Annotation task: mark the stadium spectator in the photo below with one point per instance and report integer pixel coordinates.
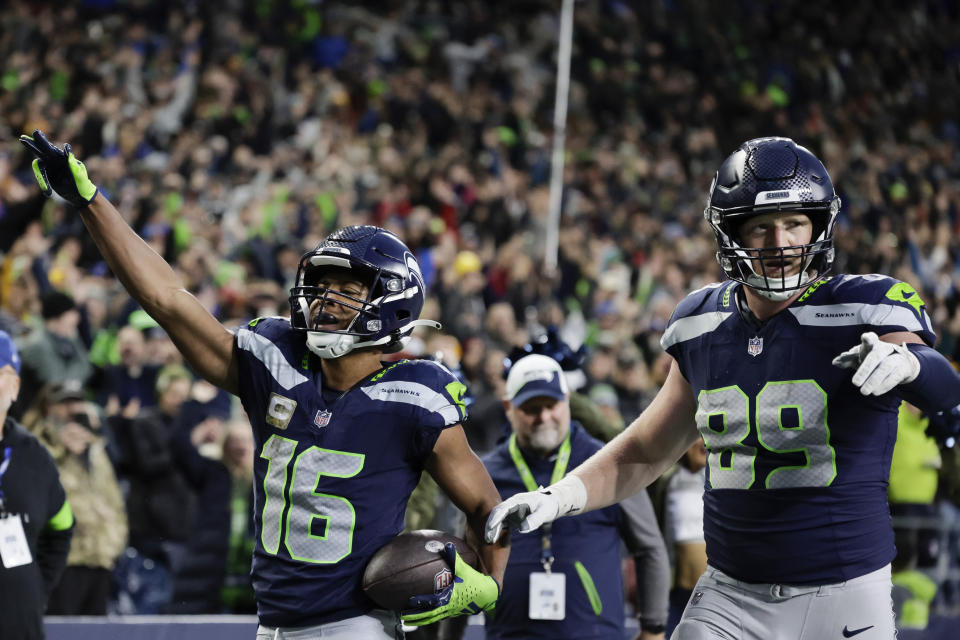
(129, 385)
(237, 456)
(69, 426)
(54, 352)
(545, 442)
(37, 523)
(161, 505)
(198, 561)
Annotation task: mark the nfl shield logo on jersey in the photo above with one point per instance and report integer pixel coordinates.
(754, 346)
(322, 418)
(442, 580)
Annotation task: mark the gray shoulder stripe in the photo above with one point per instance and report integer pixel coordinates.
(837, 315)
(691, 327)
(271, 357)
(416, 394)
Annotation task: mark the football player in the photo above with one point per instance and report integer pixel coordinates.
(792, 378)
(341, 438)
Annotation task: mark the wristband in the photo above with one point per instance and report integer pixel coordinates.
(571, 494)
(937, 386)
(652, 627)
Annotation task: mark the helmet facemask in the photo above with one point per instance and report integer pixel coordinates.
(310, 303)
(770, 175)
(382, 318)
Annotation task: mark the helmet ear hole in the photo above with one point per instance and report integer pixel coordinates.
(402, 315)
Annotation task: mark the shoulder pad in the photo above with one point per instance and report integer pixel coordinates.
(701, 311)
(885, 303)
(444, 393)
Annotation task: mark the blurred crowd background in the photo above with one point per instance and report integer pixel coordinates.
(233, 136)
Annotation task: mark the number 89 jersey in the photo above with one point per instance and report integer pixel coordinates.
(798, 459)
(332, 471)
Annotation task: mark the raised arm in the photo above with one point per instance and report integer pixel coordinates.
(625, 465)
(205, 343)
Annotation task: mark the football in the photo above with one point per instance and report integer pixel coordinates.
(411, 565)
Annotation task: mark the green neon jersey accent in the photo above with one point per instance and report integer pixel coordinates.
(903, 292)
(383, 371)
(813, 287)
(62, 520)
(726, 294)
(457, 390)
(589, 587)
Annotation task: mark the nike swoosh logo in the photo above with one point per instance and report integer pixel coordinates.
(849, 634)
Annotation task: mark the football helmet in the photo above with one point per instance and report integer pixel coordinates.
(762, 176)
(395, 292)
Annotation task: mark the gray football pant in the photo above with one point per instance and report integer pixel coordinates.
(723, 607)
(376, 625)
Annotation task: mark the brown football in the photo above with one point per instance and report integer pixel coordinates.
(411, 565)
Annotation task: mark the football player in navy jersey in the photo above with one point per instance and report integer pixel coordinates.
(341, 438)
(792, 378)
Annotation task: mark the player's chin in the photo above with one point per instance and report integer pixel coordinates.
(781, 270)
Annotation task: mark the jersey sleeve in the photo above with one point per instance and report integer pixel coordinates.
(441, 406)
(887, 305)
(698, 314)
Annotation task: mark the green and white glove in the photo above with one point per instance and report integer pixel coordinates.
(58, 170)
(470, 592)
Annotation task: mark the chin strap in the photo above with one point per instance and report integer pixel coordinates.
(335, 345)
(760, 286)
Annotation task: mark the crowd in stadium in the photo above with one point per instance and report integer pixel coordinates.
(234, 139)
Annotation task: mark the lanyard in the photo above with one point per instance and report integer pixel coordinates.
(3, 469)
(559, 470)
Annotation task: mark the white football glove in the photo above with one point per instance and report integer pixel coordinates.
(533, 509)
(880, 366)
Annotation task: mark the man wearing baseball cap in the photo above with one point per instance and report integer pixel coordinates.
(36, 523)
(566, 582)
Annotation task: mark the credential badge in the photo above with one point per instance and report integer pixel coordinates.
(755, 346)
(322, 418)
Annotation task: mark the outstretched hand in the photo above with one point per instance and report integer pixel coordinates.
(880, 366)
(58, 170)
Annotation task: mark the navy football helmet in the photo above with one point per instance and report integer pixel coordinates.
(393, 303)
(765, 175)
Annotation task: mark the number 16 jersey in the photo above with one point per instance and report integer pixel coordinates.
(798, 459)
(332, 470)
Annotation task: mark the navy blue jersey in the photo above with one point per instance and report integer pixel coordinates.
(590, 540)
(331, 476)
(798, 459)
